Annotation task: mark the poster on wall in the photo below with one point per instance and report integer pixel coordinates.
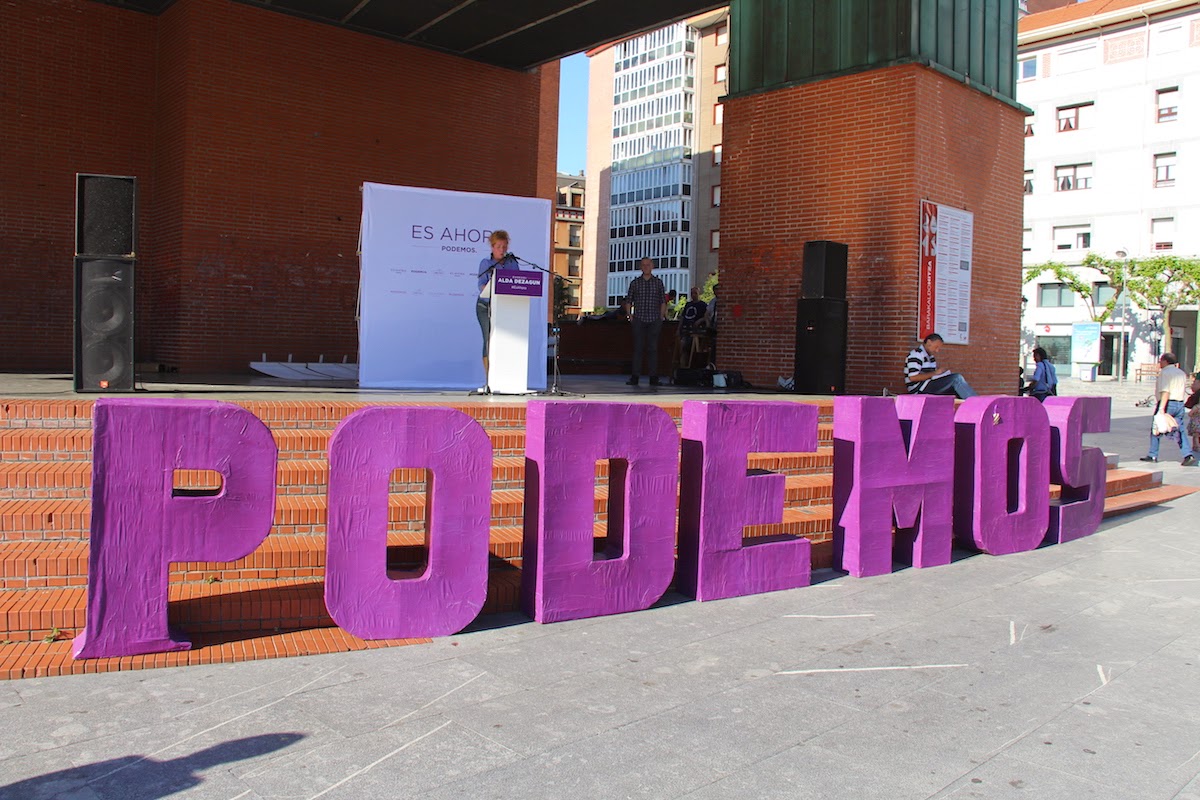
(947, 235)
(421, 250)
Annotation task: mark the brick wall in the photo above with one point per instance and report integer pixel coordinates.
(250, 132)
(77, 95)
(849, 159)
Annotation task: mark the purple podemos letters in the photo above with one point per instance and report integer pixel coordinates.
(561, 577)
(139, 524)
(895, 462)
(718, 498)
(892, 457)
(366, 447)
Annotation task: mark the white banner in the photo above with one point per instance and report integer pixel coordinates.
(421, 250)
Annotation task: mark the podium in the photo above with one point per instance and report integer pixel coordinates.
(512, 290)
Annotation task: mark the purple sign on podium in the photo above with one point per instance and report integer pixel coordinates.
(518, 282)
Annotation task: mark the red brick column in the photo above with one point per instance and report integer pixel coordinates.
(849, 159)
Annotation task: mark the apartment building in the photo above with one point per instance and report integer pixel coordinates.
(654, 124)
(1112, 165)
(568, 241)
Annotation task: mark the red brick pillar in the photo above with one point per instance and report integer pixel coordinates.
(849, 159)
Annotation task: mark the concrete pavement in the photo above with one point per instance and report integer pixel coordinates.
(1067, 672)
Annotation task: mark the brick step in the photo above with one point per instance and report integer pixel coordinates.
(52, 480)
(221, 606)
(38, 659)
(35, 563)
(17, 413)
(1145, 498)
(75, 444)
(20, 413)
(298, 514)
(288, 603)
(41, 564)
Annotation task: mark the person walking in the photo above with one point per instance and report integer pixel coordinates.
(1170, 391)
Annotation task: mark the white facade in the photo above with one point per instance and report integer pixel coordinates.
(1112, 161)
(653, 126)
(650, 202)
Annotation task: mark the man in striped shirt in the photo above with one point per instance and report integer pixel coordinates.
(921, 372)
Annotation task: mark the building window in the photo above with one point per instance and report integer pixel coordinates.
(1162, 233)
(1102, 292)
(1072, 118)
(1058, 348)
(721, 73)
(1072, 237)
(718, 113)
(1072, 177)
(723, 34)
(1028, 181)
(716, 196)
(1027, 240)
(1027, 68)
(1164, 170)
(1167, 103)
(575, 236)
(573, 265)
(716, 153)
(1055, 295)
(714, 240)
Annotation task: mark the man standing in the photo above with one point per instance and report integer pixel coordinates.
(1170, 391)
(921, 372)
(646, 305)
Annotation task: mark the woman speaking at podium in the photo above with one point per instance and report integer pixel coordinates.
(483, 306)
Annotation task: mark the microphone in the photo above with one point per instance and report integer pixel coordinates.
(510, 257)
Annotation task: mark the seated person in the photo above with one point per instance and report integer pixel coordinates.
(689, 323)
(921, 372)
(1044, 382)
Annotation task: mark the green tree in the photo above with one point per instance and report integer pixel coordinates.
(561, 298)
(1110, 268)
(1165, 282)
(706, 294)
(1161, 281)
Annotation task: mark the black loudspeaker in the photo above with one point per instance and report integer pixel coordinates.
(105, 216)
(105, 248)
(103, 325)
(820, 346)
(824, 270)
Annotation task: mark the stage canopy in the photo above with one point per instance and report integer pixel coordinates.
(517, 34)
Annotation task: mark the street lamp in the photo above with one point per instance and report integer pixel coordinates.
(1121, 254)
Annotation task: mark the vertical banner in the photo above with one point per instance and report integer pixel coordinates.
(946, 238)
(421, 250)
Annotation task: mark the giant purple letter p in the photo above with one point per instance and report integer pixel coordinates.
(139, 525)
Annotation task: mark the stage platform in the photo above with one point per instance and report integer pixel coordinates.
(270, 604)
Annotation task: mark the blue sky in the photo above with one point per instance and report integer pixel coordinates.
(572, 114)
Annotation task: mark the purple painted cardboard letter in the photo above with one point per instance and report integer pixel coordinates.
(892, 457)
(718, 498)
(1079, 470)
(138, 524)
(562, 578)
(1001, 474)
(365, 448)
